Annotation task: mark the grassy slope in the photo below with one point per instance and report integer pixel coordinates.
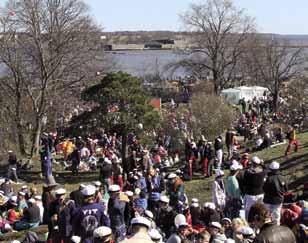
(295, 168)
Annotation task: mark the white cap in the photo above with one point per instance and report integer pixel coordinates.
(209, 205)
(234, 167)
(155, 235)
(129, 193)
(247, 231)
(102, 232)
(171, 176)
(38, 197)
(15, 241)
(229, 241)
(215, 225)
(194, 200)
(234, 162)
(76, 239)
(107, 161)
(60, 191)
(164, 199)
(274, 165)
(114, 188)
(13, 169)
(219, 173)
(180, 220)
(97, 183)
(22, 193)
(141, 221)
(13, 199)
(256, 160)
(149, 214)
(195, 205)
(89, 190)
(31, 200)
(82, 186)
(219, 140)
(10, 151)
(137, 191)
(24, 187)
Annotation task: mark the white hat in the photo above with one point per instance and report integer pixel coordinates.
(164, 199)
(7, 227)
(13, 199)
(195, 205)
(31, 200)
(255, 160)
(274, 165)
(21, 193)
(171, 176)
(97, 183)
(194, 200)
(219, 140)
(219, 173)
(247, 231)
(81, 186)
(155, 235)
(38, 197)
(137, 191)
(60, 191)
(89, 190)
(10, 151)
(141, 221)
(234, 167)
(24, 187)
(209, 205)
(114, 188)
(76, 239)
(129, 193)
(107, 161)
(229, 241)
(180, 220)
(102, 232)
(13, 169)
(215, 225)
(15, 241)
(149, 214)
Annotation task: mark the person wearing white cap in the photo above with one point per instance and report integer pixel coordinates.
(156, 187)
(89, 216)
(218, 191)
(164, 215)
(209, 214)
(116, 209)
(102, 234)
(175, 190)
(140, 231)
(77, 195)
(233, 192)
(149, 215)
(38, 201)
(274, 188)
(105, 173)
(182, 230)
(215, 230)
(155, 236)
(253, 181)
(22, 203)
(248, 234)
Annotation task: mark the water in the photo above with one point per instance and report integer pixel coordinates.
(142, 62)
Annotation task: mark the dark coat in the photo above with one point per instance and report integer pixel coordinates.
(271, 233)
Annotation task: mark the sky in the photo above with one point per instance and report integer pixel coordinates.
(272, 16)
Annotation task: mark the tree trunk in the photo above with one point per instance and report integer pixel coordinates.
(36, 138)
(275, 101)
(124, 145)
(21, 140)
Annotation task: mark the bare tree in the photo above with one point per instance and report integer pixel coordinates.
(273, 63)
(56, 43)
(219, 34)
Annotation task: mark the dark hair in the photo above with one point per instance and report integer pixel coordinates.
(258, 212)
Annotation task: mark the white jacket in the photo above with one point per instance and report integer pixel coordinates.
(218, 195)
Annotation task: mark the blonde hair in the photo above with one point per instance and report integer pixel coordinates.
(238, 223)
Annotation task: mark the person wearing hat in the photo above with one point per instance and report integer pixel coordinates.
(102, 234)
(215, 230)
(54, 212)
(218, 146)
(48, 196)
(209, 214)
(12, 213)
(38, 201)
(182, 230)
(140, 228)
(76, 158)
(165, 215)
(195, 212)
(175, 191)
(274, 188)
(253, 182)
(229, 140)
(89, 216)
(156, 185)
(245, 160)
(218, 191)
(116, 212)
(105, 173)
(155, 236)
(260, 217)
(12, 170)
(6, 187)
(248, 234)
(149, 215)
(227, 227)
(22, 203)
(233, 192)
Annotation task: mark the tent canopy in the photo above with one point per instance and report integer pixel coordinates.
(233, 95)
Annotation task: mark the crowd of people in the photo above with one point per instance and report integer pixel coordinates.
(143, 199)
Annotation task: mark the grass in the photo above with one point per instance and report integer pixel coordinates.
(294, 168)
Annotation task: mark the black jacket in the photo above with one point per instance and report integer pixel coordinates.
(271, 233)
(253, 181)
(274, 188)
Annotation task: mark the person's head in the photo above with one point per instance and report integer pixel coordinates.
(274, 166)
(140, 225)
(171, 178)
(31, 202)
(114, 191)
(214, 228)
(97, 185)
(238, 223)
(247, 232)
(219, 174)
(155, 236)
(21, 196)
(181, 224)
(88, 194)
(102, 234)
(163, 201)
(226, 223)
(33, 190)
(203, 237)
(60, 194)
(259, 215)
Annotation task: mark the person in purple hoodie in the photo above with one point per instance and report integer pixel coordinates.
(89, 216)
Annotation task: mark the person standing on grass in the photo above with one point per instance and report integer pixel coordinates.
(12, 170)
(291, 136)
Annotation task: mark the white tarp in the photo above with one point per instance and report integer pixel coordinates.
(233, 95)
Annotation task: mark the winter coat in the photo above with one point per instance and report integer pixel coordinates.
(274, 188)
(271, 233)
